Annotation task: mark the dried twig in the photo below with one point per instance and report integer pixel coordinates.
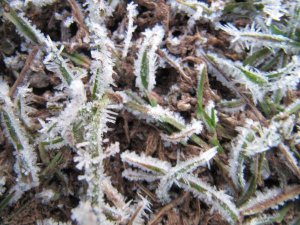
(79, 18)
(157, 217)
(24, 71)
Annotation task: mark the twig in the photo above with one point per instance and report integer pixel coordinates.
(173, 64)
(78, 17)
(166, 208)
(24, 71)
(147, 192)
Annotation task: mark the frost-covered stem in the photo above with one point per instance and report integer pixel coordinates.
(270, 199)
(252, 139)
(291, 109)
(132, 12)
(96, 134)
(103, 62)
(231, 105)
(90, 158)
(215, 68)
(40, 3)
(22, 106)
(56, 132)
(78, 58)
(113, 195)
(55, 143)
(236, 161)
(230, 73)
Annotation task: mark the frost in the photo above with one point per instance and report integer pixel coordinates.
(140, 211)
(251, 36)
(270, 199)
(45, 196)
(26, 159)
(62, 124)
(132, 12)
(105, 89)
(84, 214)
(145, 64)
(194, 128)
(56, 63)
(2, 183)
(152, 164)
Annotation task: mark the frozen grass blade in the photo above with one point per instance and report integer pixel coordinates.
(256, 56)
(159, 114)
(5, 201)
(253, 76)
(250, 188)
(269, 218)
(145, 64)
(180, 175)
(25, 166)
(252, 35)
(56, 63)
(291, 161)
(270, 199)
(131, 13)
(200, 89)
(145, 70)
(146, 163)
(219, 200)
(22, 24)
(191, 164)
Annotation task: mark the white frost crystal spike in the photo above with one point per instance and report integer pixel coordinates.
(142, 206)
